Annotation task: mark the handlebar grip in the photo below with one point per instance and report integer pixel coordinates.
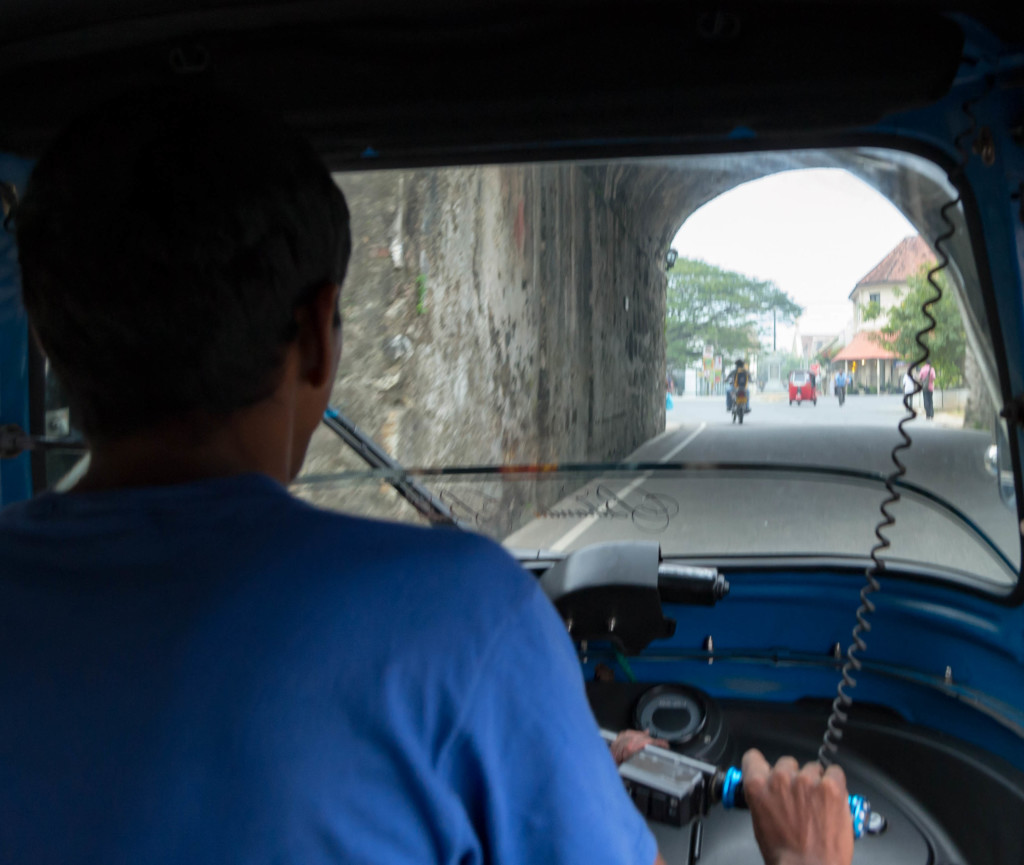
(679, 584)
(733, 797)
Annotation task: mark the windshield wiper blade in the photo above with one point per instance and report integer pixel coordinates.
(417, 495)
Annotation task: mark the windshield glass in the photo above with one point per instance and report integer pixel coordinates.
(554, 353)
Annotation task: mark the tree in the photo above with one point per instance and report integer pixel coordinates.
(825, 356)
(711, 306)
(947, 343)
(789, 362)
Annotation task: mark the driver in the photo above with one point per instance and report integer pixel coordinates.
(199, 667)
(737, 380)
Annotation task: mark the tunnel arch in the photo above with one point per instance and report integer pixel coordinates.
(665, 192)
(540, 289)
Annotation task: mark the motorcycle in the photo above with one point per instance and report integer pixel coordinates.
(740, 404)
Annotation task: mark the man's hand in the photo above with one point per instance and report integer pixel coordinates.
(630, 742)
(801, 816)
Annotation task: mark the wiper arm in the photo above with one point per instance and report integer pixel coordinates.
(417, 495)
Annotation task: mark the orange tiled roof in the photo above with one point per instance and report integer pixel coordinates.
(864, 347)
(900, 264)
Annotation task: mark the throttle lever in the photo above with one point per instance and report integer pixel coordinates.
(672, 788)
(727, 788)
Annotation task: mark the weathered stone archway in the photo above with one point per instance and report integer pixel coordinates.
(516, 313)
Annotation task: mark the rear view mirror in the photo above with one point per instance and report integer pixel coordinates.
(999, 464)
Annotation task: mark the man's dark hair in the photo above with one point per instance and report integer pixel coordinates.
(166, 241)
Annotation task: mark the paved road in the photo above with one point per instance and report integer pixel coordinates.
(704, 510)
(774, 410)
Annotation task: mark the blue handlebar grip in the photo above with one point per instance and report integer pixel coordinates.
(860, 811)
(732, 797)
(732, 784)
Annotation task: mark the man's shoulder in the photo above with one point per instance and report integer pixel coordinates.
(335, 527)
(426, 587)
(444, 557)
(252, 528)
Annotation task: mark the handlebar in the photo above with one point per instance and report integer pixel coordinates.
(727, 787)
(683, 584)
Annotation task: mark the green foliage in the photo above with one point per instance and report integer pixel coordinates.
(871, 310)
(947, 343)
(711, 306)
(789, 362)
(824, 357)
(421, 294)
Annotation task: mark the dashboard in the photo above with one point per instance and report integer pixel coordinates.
(946, 799)
(939, 802)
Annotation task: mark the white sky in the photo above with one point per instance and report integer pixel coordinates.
(813, 232)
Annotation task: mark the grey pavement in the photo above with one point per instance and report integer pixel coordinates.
(773, 409)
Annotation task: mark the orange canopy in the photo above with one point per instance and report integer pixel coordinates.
(865, 346)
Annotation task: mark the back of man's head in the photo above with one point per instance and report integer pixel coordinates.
(166, 241)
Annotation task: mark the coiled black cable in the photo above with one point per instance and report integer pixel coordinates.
(842, 702)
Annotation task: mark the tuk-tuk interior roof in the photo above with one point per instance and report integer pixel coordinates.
(434, 78)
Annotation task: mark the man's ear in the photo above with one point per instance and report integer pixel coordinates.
(319, 337)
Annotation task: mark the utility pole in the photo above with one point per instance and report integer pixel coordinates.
(775, 343)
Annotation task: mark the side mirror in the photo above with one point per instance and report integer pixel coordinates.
(992, 460)
(999, 464)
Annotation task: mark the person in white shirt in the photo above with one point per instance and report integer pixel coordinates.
(909, 385)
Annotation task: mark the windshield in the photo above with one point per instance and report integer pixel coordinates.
(552, 352)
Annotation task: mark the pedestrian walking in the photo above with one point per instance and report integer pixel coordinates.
(926, 375)
(841, 380)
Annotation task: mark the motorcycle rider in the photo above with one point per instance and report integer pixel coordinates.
(738, 380)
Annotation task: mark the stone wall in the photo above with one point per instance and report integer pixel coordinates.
(500, 314)
(515, 314)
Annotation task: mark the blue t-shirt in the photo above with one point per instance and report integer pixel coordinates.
(218, 672)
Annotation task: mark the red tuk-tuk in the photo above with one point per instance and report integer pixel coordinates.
(802, 387)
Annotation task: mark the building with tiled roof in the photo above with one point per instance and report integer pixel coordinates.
(866, 345)
(869, 362)
(865, 357)
(884, 281)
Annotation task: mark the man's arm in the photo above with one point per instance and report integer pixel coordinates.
(529, 761)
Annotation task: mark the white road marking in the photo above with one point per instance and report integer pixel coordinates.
(584, 524)
(684, 443)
